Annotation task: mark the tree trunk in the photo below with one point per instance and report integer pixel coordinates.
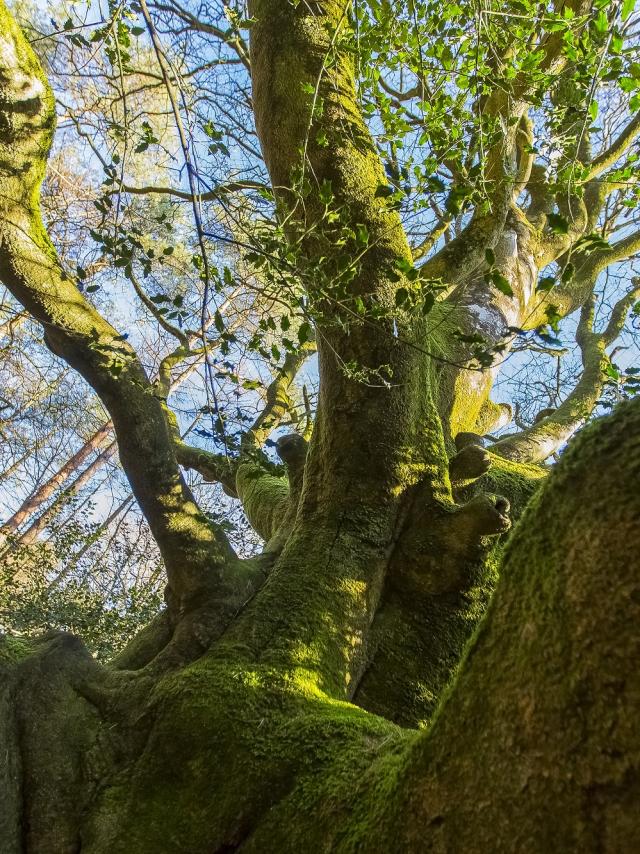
(535, 747)
(44, 492)
(276, 705)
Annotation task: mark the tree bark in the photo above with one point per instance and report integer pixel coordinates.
(277, 704)
(534, 748)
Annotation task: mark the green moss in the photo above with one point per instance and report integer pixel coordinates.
(516, 481)
(235, 750)
(14, 649)
(264, 498)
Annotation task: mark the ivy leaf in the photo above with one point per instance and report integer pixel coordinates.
(383, 191)
(402, 295)
(304, 332)
(501, 283)
(326, 193)
(429, 302)
(567, 273)
(557, 223)
(362, 234)
(546, 284)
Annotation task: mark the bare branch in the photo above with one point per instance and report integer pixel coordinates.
(618, 147)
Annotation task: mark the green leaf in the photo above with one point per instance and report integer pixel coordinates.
(490, 256)
(501, 283)
(402, 295)
(557, 223)
(362, 234)
(546, 283)
(601, 23)
(429, 302)
(304, 332)
(326, 193)
(567, 273)
(383, 191)
(611, 371)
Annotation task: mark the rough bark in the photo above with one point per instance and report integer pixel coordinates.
(276, 704)
(535, 747)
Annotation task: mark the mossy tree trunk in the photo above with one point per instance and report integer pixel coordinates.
(275, 704)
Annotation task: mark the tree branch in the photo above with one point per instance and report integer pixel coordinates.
(611, 155)
(536, 443)
(208, 196)
(194, 551)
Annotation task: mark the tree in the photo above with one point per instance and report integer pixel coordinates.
(276, 703)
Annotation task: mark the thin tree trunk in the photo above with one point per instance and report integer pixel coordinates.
(47, 489)
(32, 532)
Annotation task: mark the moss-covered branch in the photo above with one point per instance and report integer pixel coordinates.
(193, 550)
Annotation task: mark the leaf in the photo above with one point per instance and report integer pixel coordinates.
(601, 23)
(557, 223)
(553, 317)
(551, 340)
(429, 302)
(362, 234)
(383, 191)
(501, 283)
(326, 193)
(567, 273)
(304, 332)
(490, 256)
(546, 283)
(402, 295)
(627, 8)
(611, 371)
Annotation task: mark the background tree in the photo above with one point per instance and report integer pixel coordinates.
(387, 200)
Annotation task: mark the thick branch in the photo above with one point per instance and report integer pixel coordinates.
(193, 551)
